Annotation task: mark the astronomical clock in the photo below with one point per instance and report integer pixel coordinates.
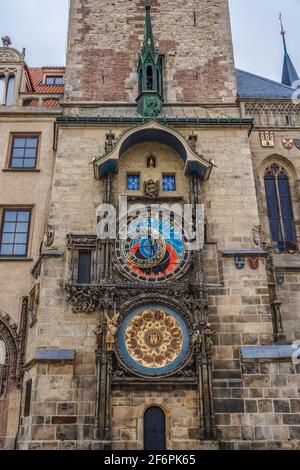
(153, 338)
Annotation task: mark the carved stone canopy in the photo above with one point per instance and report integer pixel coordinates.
(154, 132)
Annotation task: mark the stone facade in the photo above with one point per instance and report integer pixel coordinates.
(236, 299)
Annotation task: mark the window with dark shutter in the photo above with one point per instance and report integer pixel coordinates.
(84, 266)
(27, 404)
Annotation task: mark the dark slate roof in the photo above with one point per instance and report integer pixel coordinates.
(289, 74)
(254, 86)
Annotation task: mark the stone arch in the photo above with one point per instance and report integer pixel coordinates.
(275, 158)
(9, 337)
(149, 403)
(294, 184)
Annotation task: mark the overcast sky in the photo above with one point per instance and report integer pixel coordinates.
(41, 27)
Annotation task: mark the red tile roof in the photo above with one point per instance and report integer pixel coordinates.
(36, 78)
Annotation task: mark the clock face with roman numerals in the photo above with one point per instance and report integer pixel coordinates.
(152, 248)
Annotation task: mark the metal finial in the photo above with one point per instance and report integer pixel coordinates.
(283, 33)
(6, 41)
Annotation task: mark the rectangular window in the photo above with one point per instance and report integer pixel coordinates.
(27, 403)
(84, 266)
(54, 80)
(169, 183)
(15, 232)
(24, 152)
(133, 183)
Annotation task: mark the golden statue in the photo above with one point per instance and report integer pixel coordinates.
(111, 331)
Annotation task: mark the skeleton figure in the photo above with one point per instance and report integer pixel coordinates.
(111, 331)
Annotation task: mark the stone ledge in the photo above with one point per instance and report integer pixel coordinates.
(54, 355)
(245, 253)
(49, 355)
(281, 352)
(287, 262)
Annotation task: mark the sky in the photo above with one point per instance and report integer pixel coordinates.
(41, 27)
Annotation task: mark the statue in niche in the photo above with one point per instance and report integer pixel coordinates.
(151, 162)
(151, 189)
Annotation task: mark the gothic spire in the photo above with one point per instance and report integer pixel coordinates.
(148, 46)
(289, 73)
(150, 73)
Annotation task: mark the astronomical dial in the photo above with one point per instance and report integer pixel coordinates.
(151, 248)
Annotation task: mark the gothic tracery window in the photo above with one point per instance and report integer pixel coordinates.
(279, 204)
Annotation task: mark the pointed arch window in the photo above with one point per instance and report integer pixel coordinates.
(279, 204)
(7, 88)
(10, 90)
(149, 78)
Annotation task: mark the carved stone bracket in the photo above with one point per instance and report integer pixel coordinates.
(84, 299)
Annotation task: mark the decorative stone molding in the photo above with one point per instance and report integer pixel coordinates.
(274, 114)
(9, 335)
(10, 56)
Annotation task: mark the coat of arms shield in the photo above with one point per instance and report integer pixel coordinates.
(297, 143)
(239, 262)
(254, 262)
(288, 143)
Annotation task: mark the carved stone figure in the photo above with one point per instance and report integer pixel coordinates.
(256, 233)
(49, 236)
(151, 189)
(110, 141)
(99, 336)
(208, 336)
(111, 331)
(151, 162)
(193, 138)
(6, 41)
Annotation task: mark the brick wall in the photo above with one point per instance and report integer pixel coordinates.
(104, 44)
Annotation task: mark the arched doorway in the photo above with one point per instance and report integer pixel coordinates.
(154, 429)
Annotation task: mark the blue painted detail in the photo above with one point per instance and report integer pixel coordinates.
(108, 165)
(276, 351)
(239, 262)
(155, 370)
(133, 182)
(169, 183)
(196, 167)
(55, 354)
(148, 248)
(254, 86)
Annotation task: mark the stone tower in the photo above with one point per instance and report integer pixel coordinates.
(151, 340)
(194, 40)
